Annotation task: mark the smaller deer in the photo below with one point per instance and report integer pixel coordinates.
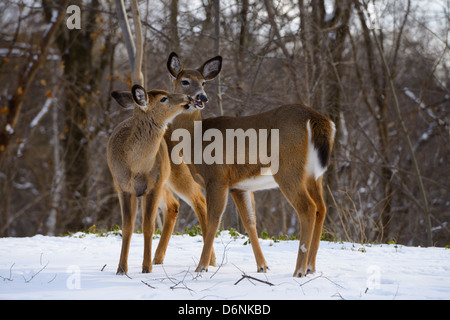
(131, 152)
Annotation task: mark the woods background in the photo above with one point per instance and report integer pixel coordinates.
(389, 176)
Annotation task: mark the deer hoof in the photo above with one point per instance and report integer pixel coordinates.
(146, 269)
(263, 269)
(121, 271)
(201, 269)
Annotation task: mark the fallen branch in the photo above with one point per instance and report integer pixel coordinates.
(148, 285)
(319, 276)
(34, 275)
(245, 276)
(175, 284)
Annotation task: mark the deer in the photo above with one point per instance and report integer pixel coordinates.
(179, 181)
(305, 144)
(132, 150)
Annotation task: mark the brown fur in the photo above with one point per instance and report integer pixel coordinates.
(299, 187)
(139, 163)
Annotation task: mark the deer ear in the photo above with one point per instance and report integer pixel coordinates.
(174, 65)
(140, 96)
(123, 98)
(211, 68)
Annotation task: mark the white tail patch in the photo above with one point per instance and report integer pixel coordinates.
(313, 166)
(333, 130)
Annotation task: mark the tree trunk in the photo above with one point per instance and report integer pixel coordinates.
(82, 77)
(216, 5)
(174, 38)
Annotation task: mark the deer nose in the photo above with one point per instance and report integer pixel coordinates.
(201, 97)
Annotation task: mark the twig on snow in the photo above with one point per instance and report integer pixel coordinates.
(10, 274)
(175, 284)
(249, 278)
(34, 275)
(319, 276)
(148, 285)
(223, 258)
(245, 276)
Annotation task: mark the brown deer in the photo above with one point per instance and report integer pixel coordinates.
(180, 181)
(304, 146)
(132, 150)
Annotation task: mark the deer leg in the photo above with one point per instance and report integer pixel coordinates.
(128, 208)
(189, 190)
(216, 199)
(298, 196)
(306, 211)
(316, 192)
(169, 208)
(150, 204)
(245, 203)
(199, 207)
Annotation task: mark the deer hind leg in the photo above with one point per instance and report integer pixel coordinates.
(169, 206)
(128, 208)
(199, 206)
(298, 196)
(150, 204)
(190, 191)
(315, 190)
(245, 203)
(216, 199)
(306, 211)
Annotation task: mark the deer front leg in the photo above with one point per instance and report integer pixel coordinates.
(169, 208)
(184, 185)
(128, 208)
(216, 199)
(149, 209)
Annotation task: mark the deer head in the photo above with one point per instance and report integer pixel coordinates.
(192, 81)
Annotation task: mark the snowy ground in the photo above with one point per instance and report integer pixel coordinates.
(44, 267)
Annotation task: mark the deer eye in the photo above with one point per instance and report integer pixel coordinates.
(185, 83)
(164, 99)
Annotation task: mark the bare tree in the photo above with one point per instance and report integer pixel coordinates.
(388, 171)
(34, 61)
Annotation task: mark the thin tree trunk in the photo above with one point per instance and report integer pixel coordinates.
(216, 5)
(174, 38)
(427, 214)
(58, 175)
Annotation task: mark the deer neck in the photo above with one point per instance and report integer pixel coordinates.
(186, 120)
(145, 134)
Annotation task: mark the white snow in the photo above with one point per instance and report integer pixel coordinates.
(43, 267)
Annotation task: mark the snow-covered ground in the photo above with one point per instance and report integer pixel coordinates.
(43, 267)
